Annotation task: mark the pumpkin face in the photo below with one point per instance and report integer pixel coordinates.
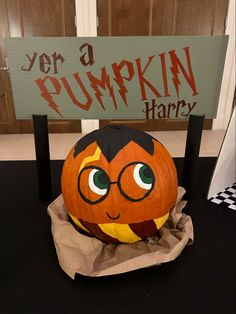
(123, 196)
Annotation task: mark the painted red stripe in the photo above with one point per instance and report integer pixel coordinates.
(144, 229)
(80, 230)
(97, 231)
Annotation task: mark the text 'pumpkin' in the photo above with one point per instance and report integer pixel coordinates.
(119, 184)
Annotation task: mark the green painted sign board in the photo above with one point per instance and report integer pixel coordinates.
(149, 77)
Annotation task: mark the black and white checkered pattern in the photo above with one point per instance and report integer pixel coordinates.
(226, 198)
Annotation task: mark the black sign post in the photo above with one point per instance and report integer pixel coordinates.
(191, 157)
(40, 123)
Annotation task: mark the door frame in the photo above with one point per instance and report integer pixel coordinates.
(86, 25)
(86, 21)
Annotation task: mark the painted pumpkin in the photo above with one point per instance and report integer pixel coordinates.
(119, 184)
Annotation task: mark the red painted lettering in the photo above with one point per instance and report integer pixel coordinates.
(164, 74)
(31, 60)
(46, 94)
(119, 78)
(104, 83)
(55, 58)
(176, 64)
(143, 81)
(89, 100)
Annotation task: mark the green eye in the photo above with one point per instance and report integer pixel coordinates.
(143, 176)
(98, 181)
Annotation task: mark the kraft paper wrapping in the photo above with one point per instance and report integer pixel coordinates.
(78, 253)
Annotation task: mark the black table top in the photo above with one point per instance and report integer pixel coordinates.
(200, 280)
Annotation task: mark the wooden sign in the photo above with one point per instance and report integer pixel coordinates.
(116, 77)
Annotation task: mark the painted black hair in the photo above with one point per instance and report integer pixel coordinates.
(111, 139)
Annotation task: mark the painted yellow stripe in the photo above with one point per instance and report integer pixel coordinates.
(161, 220)
(122, 232)
(78, 223)
(86, 160)
(95, 156)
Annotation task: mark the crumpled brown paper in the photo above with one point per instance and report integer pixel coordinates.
(78, 253)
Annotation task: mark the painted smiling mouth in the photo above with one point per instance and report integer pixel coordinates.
(114, 218)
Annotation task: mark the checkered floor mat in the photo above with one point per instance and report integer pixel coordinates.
(226, 198)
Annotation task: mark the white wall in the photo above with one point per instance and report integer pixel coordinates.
(228, 81)
(225, 171)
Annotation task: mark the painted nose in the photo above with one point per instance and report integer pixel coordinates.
(113, 213)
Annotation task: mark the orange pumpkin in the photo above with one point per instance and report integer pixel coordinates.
(119, 184)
